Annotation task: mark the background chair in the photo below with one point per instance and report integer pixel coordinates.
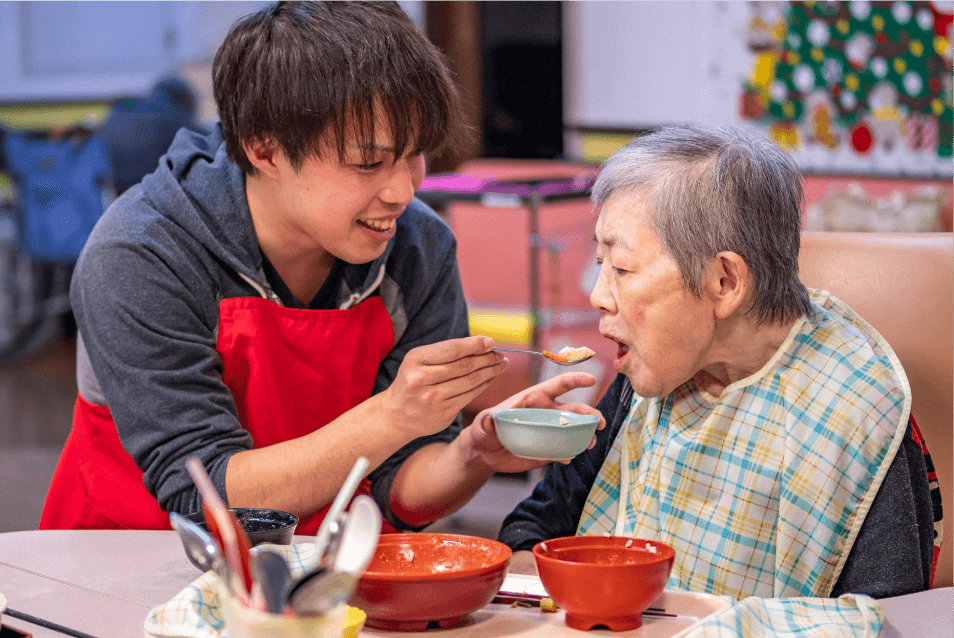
(903, 285)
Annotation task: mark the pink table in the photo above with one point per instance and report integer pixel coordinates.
(104, 583)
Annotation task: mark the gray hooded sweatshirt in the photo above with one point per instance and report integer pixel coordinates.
(146, 293)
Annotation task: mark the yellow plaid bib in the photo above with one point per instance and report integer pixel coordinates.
(762, 491)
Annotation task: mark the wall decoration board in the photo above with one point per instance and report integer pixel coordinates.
(853, 88)
(858, 86)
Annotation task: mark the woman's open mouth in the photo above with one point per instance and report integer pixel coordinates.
(621, 351)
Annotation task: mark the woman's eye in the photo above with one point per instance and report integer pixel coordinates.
(618, 271)
(371, 166)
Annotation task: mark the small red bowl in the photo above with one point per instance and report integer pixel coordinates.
(603, 580)
(414, 580)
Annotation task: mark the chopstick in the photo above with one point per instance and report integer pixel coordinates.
(533, 600)
(46, 624)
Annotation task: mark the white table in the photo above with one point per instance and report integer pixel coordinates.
(104, 583)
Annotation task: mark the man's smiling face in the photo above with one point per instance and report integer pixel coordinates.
(347, 207)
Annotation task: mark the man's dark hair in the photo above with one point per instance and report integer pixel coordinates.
(295, 72)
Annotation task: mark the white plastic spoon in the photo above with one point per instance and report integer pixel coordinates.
(360, 537)
(337, 506)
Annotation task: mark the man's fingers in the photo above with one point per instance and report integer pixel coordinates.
(565, 382)
(473, 384)
(454, 349)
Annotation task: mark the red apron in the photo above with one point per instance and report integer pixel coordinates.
(290, 372)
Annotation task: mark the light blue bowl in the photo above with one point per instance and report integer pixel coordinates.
(536, 433)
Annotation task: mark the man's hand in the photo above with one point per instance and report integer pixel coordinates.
(436, 381)
(483, 434)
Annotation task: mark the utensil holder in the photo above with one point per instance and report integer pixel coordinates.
(244, 622)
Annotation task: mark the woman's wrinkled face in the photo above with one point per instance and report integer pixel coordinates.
(661, 329)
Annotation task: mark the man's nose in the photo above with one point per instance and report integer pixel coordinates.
(405, 178)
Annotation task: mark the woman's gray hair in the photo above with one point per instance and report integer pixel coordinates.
(715, 190)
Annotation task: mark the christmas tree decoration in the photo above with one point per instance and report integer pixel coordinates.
(872, 77)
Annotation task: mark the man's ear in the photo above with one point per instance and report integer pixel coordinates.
(728, 283)
(262, 156)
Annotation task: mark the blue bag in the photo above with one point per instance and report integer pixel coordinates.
(62, 183)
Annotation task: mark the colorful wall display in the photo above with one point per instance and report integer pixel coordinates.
(862, 86)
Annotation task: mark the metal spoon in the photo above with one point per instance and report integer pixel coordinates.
(321, 589)
(272, 574)
(335, 530)
(555, 358)
(320, 592)
(201, 547)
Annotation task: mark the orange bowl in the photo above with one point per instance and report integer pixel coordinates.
(415, 580)
(603, 580)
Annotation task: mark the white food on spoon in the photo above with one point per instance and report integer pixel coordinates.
(575, 354)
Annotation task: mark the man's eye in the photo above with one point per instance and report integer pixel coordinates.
(371, 166)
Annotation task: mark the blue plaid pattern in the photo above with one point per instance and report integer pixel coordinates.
(762, 490)
(851, 615)
(196, 611)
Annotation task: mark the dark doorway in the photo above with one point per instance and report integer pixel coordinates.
(522, 79)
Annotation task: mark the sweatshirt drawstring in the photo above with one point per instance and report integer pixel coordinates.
(266, 294)
(358, 297)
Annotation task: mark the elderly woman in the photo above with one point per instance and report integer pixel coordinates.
(761, 428)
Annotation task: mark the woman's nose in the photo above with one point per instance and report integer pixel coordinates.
(601, 297)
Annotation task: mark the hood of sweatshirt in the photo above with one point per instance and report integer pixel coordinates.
(197, 188)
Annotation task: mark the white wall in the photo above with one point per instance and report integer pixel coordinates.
(98, 50)
(640, 64)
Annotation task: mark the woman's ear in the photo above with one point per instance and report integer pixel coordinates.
(262, 155)
(728, 283)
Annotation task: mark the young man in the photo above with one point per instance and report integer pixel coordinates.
(760, 428)
(274, 301)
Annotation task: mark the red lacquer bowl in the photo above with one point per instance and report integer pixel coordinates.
(415, 580)
(600, 580)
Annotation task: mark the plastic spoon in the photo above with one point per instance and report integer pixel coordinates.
(225, 528)
(360, 537)
(338, 505)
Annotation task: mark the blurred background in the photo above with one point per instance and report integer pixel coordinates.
(860, 92)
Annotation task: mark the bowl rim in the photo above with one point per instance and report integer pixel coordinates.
(391, 539)
(586, 420)
(668, 551)
(291, 519)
